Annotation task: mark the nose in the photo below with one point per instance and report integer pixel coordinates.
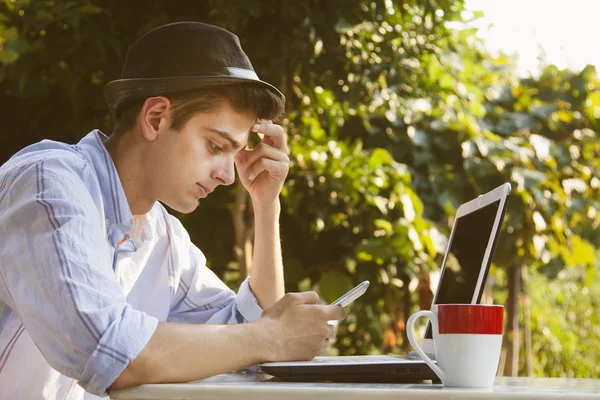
(225, 174)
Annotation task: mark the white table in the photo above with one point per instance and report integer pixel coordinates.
(262, 386)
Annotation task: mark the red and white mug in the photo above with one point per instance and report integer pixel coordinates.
(467, 339)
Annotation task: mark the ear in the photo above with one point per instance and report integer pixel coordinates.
(155, 117)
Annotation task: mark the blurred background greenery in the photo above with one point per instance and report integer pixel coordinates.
(396, 115)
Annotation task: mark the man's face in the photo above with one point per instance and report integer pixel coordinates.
(188, 165)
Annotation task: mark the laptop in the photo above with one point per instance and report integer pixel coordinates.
(463, 275)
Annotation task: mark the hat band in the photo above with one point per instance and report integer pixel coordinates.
(233, 72)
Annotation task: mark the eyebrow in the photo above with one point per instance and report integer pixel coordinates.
(234, 143)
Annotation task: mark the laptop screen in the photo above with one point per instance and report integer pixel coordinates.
(463, 263)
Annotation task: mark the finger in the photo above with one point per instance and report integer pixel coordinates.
(276, 168)
(246, 158)
(269, 140)
(334, 312)
(310, 297)
(332, 331)
(292, 298)
(274, 131)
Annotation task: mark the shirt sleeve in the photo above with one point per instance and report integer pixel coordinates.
(56, 273)
(201, 296)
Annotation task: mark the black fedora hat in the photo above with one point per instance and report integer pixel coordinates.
(181, 57)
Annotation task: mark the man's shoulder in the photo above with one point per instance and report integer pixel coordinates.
(50, 167)
(56, 157)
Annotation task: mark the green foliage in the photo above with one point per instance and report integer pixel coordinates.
(537, 136)
(396, 116)
(566, 343)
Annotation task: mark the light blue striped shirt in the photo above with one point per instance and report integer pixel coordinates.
(75, 305)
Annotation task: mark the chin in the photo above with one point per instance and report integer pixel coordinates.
(189, 209)
(184, 207)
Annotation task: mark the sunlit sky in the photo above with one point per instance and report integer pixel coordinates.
(564, 29)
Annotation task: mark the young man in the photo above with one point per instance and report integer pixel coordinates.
(100, 288)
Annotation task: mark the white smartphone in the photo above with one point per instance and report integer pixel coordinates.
(352, 294)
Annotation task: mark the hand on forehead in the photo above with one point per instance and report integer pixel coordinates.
(274, 135)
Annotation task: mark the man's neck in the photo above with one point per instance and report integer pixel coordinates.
(128, 160)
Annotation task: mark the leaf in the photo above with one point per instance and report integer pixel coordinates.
(294, 270)
(8, 56)
(382, 81)
(590, 277)
(528, 177)
(10, 34)
(419, 137)
(364, 256)
(19, 46)
(446, 81)
(379, 157)
(581, 252)
(522, 120)
(333, 285)
(381, 203)
(544, 111)
(408, 207)
(384, 224)
(343, 27)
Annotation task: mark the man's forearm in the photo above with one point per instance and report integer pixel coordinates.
(266, 277)
(186, 352)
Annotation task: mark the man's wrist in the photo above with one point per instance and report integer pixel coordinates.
(264, 341)
(271, 209)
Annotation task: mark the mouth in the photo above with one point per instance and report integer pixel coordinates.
(203, 191)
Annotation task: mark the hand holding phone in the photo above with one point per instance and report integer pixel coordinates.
(352, 294)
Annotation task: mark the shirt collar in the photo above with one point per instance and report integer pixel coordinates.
(119, 219)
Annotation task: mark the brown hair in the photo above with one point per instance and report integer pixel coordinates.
(244, 97)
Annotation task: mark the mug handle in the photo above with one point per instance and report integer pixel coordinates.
(410, 325)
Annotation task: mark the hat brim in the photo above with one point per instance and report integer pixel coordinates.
(123, 91)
